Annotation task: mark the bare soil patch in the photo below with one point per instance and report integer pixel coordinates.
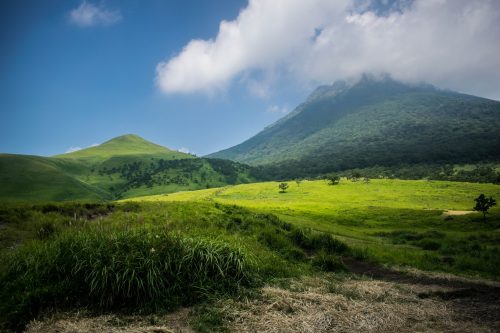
(458, 212)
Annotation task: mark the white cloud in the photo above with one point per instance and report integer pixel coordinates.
(72, 149)
(184, 150)
(451, 43)
(277, 109)
(76, 148)
(87, 15)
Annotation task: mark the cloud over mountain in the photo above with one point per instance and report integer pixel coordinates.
(451, 43)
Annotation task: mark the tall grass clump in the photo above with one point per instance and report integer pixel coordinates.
(317, 241)
(134, 269)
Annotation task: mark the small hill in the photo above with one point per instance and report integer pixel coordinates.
(33, 178)
(122, 167)
(129, 144)
(375, 122)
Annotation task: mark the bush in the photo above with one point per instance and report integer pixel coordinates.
(317, 241)
(273, 239)
(125, 269)
(328, 262)
(327, 243)
(428, 244)
(45, 230)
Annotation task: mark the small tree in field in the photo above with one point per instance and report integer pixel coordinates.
(332, 179)
(283, 187)
(483, 204)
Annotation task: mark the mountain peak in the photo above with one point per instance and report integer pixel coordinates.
(128, 144)
(376, 120)
(381, 85)
(126, 138)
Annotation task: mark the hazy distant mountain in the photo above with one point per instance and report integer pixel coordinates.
(122, 167)
(376, 122)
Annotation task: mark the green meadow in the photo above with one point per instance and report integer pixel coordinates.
(157, 253)
(392, 222)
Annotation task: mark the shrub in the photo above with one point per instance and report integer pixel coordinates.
(428, 244)
(273, 239)
(326, 242)
(328, 262)
(45, 230)
(317, 241)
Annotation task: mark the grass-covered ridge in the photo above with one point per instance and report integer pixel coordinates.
(146, 257)
(396, 222)
(122, 167)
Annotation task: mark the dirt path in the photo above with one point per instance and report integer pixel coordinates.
(458, 212)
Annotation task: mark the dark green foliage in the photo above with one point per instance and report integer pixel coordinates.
(328, 262)
(46, 230)
(283, 187)
(483, 204)
(474, 253)
(375, 123)
(107, 270)
(430, 245)
(316, 241)
(332, 179)
(274, 239)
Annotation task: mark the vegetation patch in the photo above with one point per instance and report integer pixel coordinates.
(126, 269)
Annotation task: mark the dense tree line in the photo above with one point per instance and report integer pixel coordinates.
(200, 171)
(481, 173)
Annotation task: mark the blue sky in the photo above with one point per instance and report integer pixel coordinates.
(205, 75)
(63, 85)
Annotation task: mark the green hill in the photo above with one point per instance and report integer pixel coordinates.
(33, 178)
(122, 167)
(129, 144)
(375, 123)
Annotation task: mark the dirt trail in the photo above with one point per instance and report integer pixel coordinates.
(458, 212)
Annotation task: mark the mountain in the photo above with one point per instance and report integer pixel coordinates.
(125, 145)
(375, 122)
(122, 167)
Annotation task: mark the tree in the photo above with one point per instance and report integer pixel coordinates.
(332, 179)
(298, 181)
(483, 204)
(283, 187)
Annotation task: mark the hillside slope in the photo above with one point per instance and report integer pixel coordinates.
(24, 177)
(122, 167)
(376, 122)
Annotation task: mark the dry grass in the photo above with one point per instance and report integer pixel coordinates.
(83, 322)
(323, 305)
(417, 302)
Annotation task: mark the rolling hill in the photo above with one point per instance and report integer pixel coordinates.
(119, 168)
(125, 145)
(375, 122)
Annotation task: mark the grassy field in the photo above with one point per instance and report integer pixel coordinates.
(209, 248)
(394, 222)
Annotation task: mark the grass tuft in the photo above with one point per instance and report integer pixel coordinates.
(122, 269)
